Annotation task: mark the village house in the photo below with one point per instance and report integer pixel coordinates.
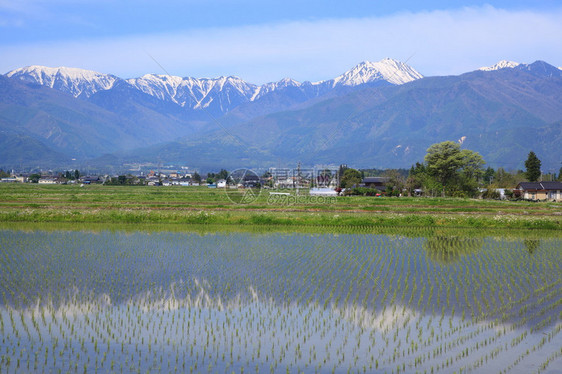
(375, 182)
(540, 191)
(91, 180)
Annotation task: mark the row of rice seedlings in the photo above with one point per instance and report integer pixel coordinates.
(362, 280)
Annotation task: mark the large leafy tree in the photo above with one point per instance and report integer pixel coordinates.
(454, 169)
(533, 167)
(443, 160)
(350, 178)
(471, 165)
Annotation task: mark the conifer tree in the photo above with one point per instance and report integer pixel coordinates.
(533, 167)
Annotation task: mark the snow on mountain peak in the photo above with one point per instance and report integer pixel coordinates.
(390, 70)
(503, 64)
(272, 86)
(191, 92)
(226, 92)
(74, 81)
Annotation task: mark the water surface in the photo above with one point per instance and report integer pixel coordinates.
(219, 301)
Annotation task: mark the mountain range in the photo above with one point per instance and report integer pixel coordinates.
(381, 114)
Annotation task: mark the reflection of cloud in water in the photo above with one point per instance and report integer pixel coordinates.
(368, 319)
(284, 334)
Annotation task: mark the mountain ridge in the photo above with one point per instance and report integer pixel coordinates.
(502, 114)
(366, 123)
(220, 94)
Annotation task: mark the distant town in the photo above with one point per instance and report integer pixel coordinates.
(318, 180)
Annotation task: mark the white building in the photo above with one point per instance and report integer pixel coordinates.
(322, 192)
(47, 181)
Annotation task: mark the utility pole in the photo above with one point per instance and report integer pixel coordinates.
(298, 177)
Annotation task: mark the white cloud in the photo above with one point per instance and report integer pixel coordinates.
(441, 42)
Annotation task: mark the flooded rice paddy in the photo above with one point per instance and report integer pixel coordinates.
(223, 302)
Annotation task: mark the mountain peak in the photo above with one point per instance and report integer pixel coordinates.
(74, 81)
(541, 68)
(387, 69)
(503, 64)
(61, 70)
(288, 81)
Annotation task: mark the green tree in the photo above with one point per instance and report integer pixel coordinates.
(489, 175)
(396, 181)
(196, 177)
(503, 179)
(454, 169)
(223, 174)
(472, 163)
(350, 178)
(341, 170)
(533, 167)
(443, 160)
(415, 177)
(34, 178)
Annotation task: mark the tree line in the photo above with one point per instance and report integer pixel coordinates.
(448, 170)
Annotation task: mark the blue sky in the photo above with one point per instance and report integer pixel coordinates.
(263, 41)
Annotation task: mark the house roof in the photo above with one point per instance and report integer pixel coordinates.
(540, 186)
(375, 180)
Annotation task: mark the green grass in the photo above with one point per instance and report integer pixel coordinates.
(195, 206)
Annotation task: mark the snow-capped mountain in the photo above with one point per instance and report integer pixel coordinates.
(77, 82)
(272, 86)
(219, 94)
(389, 70)
(496, 113)
(539, 68)
(200, 93)
(503, 64)
(195, 93)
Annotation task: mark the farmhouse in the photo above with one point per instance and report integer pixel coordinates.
(90, 180)
(375, 182)
(540, 190)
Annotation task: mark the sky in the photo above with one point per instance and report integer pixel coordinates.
(267, 40)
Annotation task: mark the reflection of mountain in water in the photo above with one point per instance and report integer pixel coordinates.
(482, 277)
